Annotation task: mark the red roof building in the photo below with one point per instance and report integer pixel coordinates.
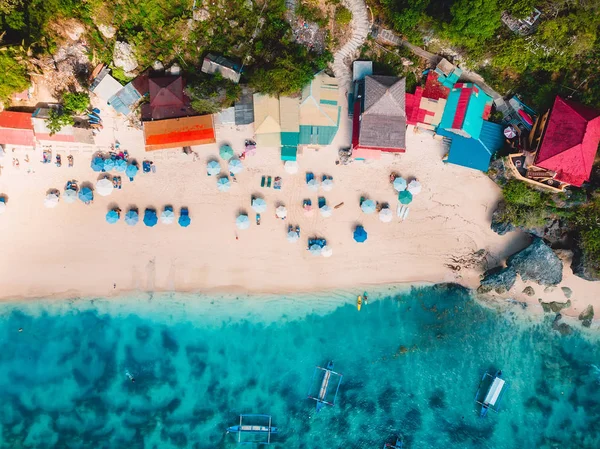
(167, 99)
(569, 142)
(426, 105)
(16, 129)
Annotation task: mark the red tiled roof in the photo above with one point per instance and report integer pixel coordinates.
(461, 107)
(167, 99)
(434, 90)
(570, 142)
(16, 128)
(413, 104)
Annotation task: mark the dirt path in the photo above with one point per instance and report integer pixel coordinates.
(360, 27)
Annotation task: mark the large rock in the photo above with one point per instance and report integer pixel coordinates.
(124, 57)
(500, 280)
(537, 263)
(581, 268)
(562, 328)
(554, 306)
(587, 316)
(498, 225)
(108, 31)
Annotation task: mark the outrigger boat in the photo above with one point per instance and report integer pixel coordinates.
(329, 379)
(494, 390)
(254, 433)
(399, 444)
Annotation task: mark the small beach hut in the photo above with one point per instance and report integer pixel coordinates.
(292, 236)
(150, 218)
(414, 187)
(326, 251)
(291, 167)
(313, 185)
(360, 235)
(281, 212)
(167, 216)
(386, 215)
(184, 217)
(368, 206)
(51, 200)
(131, 171)
(213, 168)
(70, 196)
(120, 165)
(109, 164)
(326, 211)
(327, 185)
(226, 152)
(259, 205)
(132, 217)
(235, 166)
(315, 250)
(399, 184)
(405, 197)
(98, 164)
(86, 195)
(223, 184)
(242, 222)
(104, 187)
(112, 216)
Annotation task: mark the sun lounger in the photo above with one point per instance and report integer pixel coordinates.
(306, 202)
(309, 176)
(262, 181)
(277, 183)
(405, 214)
(322, 202)
(269, 182)
(258, 219)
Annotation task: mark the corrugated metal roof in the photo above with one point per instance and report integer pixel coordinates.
(288, 153)
(266, 114)
(317, 135)
(107, 87)
(179, 132)
(466, 109)
(244, 109)
(124, 100)
(289, 109)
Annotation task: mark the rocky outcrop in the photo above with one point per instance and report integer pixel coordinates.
(562, 328)
(499, 226)
(581, 268)
(554, 307)
(537, 263)
(108, 31)
(124, 57)
(567, 292)
(529, 291)
(587, 316)
(499, 280)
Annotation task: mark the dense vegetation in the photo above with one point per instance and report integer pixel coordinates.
(252, 32)
(561, 56)
(72, 104)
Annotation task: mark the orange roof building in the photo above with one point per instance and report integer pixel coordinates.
(179, 132)
(16, 129)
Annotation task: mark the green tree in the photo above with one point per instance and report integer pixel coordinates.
(405, 15)
(58, 119)
(13, 76)
(75, 103)
(473, 22)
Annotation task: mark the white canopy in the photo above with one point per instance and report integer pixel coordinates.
(326, 251)
(386, 215)
(104, 187)
(281, 212)
(326, 211)
(51, 200)
(414, 187)
(291, 167)
(70, 196)
(327, 185)
(494, 391)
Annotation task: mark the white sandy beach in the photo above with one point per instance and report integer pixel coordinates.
(71, 251)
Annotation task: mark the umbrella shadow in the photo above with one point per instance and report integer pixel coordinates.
(241, 211)
(133, 208)
(4, 198)
(87, 184)
(168, 207)
(53, 190)
(104, 176)
(113, 206)
(100, 154)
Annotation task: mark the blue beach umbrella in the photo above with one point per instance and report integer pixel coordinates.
(121, 165)
(235, 166)
(150, 218)
(360, 235)
(223, 184)
(368, 206)
(98, 164)
(242, 222)
(399, 184)
(112, 216)
(315, 250)
(405, 197)
(226, 152)
(184, 218)
(259, 205)
(213, 168)
(131, 171)
(109, 164)
(168, 216)
(86, 195)
(132, 217)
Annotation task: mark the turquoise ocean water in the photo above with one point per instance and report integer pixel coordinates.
(411, 363)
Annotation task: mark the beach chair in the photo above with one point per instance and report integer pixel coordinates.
(277, 183)
(262, 181)
(146, 166)
(309, 176)
(298, 230)
(258, 219)
(269, 182)
(306, 203)
(322, 202)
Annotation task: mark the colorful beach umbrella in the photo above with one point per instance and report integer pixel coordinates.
(70, 196)
(223, 184)
(184, 218)
(109, 164)
(291, 167)
(112, 216)
(132, 217)
(97, 164)
(167, 216)
(120, 165)
(326, 211)
(414, 187)
(213, 168)
(292, 236)
(51, 200)
(315, 250)
(368, 206)
(360, 235)
(150, 218)
(281, 212)
(399, 184)
(386, 215)
(104, 187)
(259, 205)
(86, 195)
(405, 197)
(327, 185)
(313, 185)
(242, 222)
(326, 251)
(226, 152)
(131, 171)
(235, 166)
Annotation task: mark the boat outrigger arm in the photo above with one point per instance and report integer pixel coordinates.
(266, 430)
(493, 395)
(328, 376)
